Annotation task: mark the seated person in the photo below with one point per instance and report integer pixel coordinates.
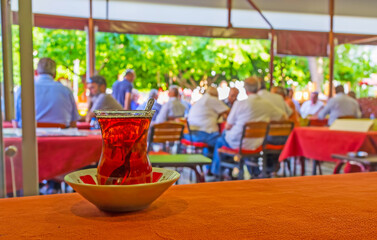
(54, 103)
(312, 106)
(99, 100)
(203, 117)
(172, 109)
(156, 106)
(294, 116)
(254, 108)
(275, 99)
(232, 97)
(295, 102)
(339, 106)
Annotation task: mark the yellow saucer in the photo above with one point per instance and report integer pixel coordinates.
(121, 198)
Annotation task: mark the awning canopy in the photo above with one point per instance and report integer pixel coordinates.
(301, 25)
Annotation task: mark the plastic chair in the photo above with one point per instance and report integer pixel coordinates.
(251, 130)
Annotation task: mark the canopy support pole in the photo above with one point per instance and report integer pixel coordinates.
(6, 31)
(332, 48)
(229, 5)
(272, 34)
(107, 9)
(272, 57)
(29, 140)
(91, 43)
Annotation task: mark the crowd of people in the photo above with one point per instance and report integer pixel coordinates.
(55, 104)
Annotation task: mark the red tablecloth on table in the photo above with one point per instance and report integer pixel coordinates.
(7, 125)
(320, 143)
(56, 156)
(83, 125)
(80, 125)
(320, 207)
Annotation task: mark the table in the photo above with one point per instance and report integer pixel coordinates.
(366, 164)
(320, 143)
(80, 125)
(317, 207)
(56, 156)
(193, 161)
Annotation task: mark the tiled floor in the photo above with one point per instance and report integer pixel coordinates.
(188, 176)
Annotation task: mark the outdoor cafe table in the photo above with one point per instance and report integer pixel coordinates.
(57, 155)
(319, 143)
(317, 207)
(80, 125)
(193, 161)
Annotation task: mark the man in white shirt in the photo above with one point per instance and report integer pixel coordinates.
(275, 99)
(203, 117)
(339, 106)
(312, 106)
(254, 108)
(172, 109)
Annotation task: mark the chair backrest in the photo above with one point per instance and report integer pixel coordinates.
(186, 129)
(347, 117)
(280, 128)
(166, 132)
(51, 125)
(255, 130)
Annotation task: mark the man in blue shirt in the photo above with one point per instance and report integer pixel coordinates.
(54, 103)
(122, 90)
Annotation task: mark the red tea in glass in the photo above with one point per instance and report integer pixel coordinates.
(124, 159)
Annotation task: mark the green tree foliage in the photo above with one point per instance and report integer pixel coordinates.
(185, 61)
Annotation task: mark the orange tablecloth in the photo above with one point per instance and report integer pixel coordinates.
(56, 156)
(319, 207)
(320, 143)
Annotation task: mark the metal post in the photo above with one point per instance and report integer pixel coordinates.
(91, 43)
(272, 57)
(331, 46)
(29, 140)
(107, 9)
(229, 5)
(6, 31)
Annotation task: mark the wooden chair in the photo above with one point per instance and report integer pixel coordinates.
(190, 143)
(165, 133)
(50, 125)
(278, 129)
(250, 130)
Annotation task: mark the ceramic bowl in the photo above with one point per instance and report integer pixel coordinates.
(121, 198)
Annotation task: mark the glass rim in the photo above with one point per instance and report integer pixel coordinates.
(124, 113)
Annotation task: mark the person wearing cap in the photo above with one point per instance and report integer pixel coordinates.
(99, 100)
(156, 106)
(173, 108)
(312, 106)
(254, 109)
(203, 117)
(122, 90)
(54, 103)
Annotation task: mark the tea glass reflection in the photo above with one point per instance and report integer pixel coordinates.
(124, 159)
